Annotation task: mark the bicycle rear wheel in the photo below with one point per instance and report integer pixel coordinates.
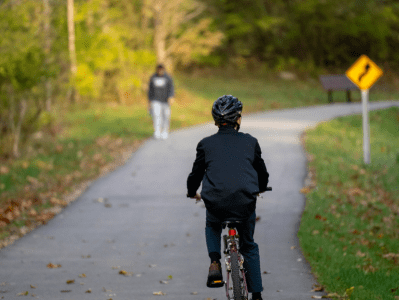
(235, 277)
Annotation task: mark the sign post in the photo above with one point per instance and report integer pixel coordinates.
(366, 127)
(364, 73)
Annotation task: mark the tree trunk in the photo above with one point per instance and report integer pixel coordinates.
(47, 50)
(17, 129)
(144, 17)
(160, 35)
(71, 47)
(90, 19)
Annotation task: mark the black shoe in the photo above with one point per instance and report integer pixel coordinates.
(257, 296)
(215, 277)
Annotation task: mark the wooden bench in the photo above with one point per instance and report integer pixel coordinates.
(337, 83)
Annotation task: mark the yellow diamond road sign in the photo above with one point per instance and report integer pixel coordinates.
(364, 72)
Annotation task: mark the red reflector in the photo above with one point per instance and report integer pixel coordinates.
(232, 232)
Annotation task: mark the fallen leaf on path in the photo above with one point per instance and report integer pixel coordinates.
(66, 291)
(170, 277)
(88, 291)
(163, 282)
(160, 293)
(305, 190)
(293, 247)
(115, 268)
(86, 256)
(125, 273)
(23, 294)
(82, 275)
(70, 281)
(194, 293)
(257, 219)
(53, 266)
(329, 296)
(265, 272)
(32, 286)
(317, 288)
(106, 291)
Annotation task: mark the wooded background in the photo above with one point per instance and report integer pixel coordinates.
(54, 53)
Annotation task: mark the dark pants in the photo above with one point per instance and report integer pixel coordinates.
(248, 248)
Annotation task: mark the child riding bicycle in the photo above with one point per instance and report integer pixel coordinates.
(233, 173)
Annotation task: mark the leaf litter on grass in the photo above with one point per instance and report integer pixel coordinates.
(354, 210)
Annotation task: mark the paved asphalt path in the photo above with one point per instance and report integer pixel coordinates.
(145, 225)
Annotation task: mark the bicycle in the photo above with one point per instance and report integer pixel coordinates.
(234, 263)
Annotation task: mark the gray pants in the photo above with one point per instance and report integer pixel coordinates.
(160, 112)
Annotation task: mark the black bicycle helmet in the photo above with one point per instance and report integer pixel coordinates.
(226, 110)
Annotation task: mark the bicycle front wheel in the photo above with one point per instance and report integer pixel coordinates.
(235, 277)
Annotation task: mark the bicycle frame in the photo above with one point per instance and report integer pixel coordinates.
(231, 251)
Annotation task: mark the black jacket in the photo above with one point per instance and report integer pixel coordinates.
(232, 172)
(160, 88)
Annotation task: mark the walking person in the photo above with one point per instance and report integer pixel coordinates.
(160, 93)
(230, 166)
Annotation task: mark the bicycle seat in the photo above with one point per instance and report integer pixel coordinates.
(230, 224)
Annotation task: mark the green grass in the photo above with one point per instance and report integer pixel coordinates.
(349, 229)
(260, 92)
